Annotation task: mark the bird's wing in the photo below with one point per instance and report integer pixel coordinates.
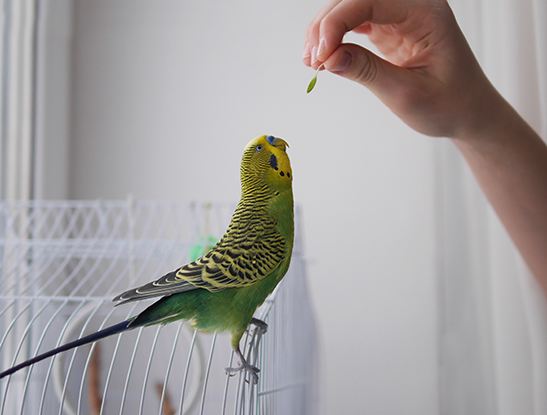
(167, 285)
(248, 252)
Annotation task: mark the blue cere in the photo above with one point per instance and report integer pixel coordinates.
(270, 139)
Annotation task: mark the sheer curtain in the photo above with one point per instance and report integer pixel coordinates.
(17, 65)
(492, 330)
(493, 325)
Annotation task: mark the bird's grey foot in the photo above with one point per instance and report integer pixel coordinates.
(250, 369)
(263, 327)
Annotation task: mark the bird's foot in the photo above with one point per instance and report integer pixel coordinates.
(250, 369)
(263, 327)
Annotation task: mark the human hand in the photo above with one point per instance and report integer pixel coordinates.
(430, 78)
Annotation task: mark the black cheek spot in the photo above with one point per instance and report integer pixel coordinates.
(288, 175)
(282, 174)
(273, 162)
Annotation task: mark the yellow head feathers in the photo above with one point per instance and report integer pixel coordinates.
(265, 160)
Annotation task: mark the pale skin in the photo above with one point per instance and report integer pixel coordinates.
(433, 82)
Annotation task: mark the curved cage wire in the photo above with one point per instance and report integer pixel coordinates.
(61, 263)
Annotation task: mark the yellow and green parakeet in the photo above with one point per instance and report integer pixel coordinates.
(221, 290)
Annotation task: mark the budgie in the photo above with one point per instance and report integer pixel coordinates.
(221, 290)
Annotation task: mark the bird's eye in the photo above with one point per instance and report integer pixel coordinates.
(259, 148)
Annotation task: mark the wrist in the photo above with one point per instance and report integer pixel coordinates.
(487, 117)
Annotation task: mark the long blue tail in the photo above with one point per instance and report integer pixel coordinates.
(109, 331)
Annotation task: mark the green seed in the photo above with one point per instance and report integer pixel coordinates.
(312, 83)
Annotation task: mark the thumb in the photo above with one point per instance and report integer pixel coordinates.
(384, 79)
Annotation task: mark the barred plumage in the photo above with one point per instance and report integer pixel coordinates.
(251, 249)
(221, 290)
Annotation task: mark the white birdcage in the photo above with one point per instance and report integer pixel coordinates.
(61, 263)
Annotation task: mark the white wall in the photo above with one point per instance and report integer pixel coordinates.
(166, 94)
(53, 98)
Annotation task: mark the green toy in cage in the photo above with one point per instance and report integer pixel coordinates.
(206, 243)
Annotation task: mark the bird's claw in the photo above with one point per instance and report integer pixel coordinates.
(250, 369)
(260, 325)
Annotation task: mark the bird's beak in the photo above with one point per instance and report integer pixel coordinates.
(277, 142)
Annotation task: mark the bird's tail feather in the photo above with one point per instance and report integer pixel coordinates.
(109, 331)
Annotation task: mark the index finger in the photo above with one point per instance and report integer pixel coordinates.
(351, 14)
(312, 31)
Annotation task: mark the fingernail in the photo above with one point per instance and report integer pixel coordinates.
(306, 51)
(343, 63)
(322, 46)
(313, 55)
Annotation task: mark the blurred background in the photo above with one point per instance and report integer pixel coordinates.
(422, 302)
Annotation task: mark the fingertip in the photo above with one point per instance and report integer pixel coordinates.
(327, 43)
(313, 56)
(321, 48)
(306, 56)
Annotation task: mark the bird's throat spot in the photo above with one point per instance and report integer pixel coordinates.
(273, 162)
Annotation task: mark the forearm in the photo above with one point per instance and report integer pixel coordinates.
(433, 82)
(509, 161)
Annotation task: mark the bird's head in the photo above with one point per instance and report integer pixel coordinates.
(265, 160)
